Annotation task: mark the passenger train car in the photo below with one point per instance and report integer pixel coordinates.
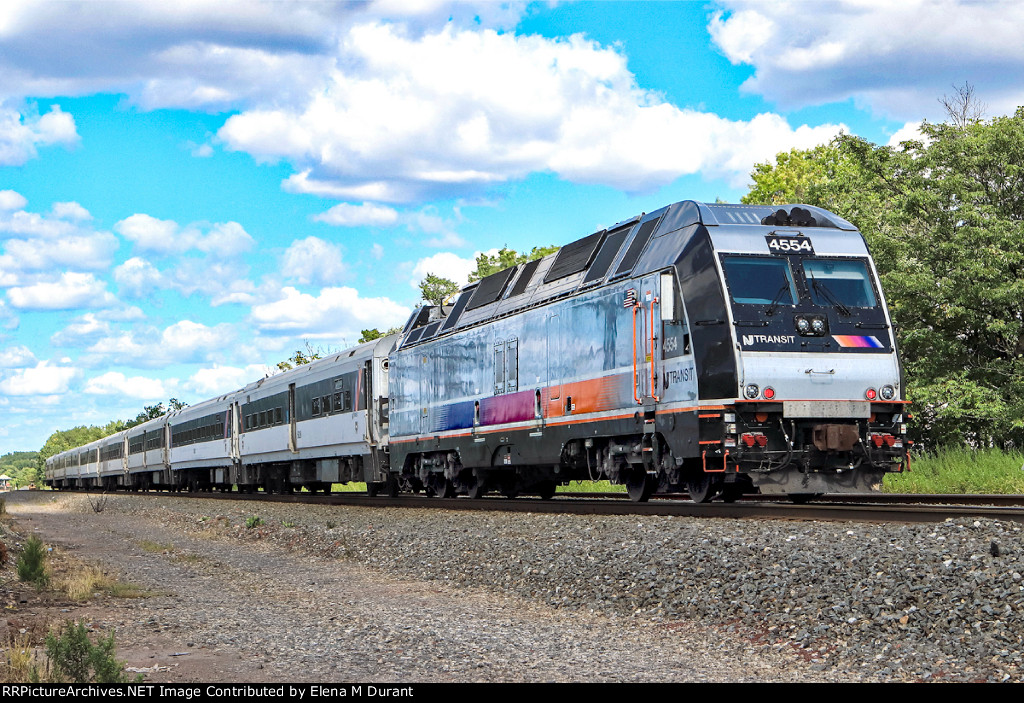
(711, 349)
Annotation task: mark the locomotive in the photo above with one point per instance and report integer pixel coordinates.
(703, 348)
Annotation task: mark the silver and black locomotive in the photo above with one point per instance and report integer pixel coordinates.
(702, 348)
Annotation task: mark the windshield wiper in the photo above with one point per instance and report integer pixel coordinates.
(770, 310)
(829, 296)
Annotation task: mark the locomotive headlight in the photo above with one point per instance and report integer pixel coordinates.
(751, 391)
(887, 392)
(803, 326)
(818, 325)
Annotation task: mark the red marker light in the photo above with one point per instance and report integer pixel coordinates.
(769, 393)
(871, 394)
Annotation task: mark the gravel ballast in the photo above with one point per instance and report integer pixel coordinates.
(362, 593)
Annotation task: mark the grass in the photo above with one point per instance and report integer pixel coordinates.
(961, 471)
(591, 487)
(155, 547)
(81, 582)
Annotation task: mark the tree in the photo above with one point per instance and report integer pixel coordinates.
(372, 334)
(944, 218)
(301, 357)
(506, 258)
(435, 289)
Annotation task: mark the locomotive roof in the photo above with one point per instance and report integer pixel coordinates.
(641, 244)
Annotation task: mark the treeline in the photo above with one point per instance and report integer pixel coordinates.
(944, 218)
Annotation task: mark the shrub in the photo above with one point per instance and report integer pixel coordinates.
(75, 659)
(31, 563)
(253, 521)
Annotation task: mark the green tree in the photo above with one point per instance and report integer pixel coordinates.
(372, 334)
(487, 264)
(300, 357)
(435, 289)
(944, 217)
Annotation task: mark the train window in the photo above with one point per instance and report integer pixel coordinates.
(512, 366)
(758, 280)
(337, 402)
(278, 416)
(636, 247)
(839, 281)
(499, 369)
(606, 255)
(316, 406)
(524, 278)
(574, 257)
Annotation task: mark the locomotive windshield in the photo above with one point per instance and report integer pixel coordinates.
(842, 282)
(760, 280)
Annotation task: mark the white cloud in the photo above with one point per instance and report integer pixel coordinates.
(411, 117)
(164, 237)
(21, 134)
(10, 200)
(152, 234)
(225, 240)
(137, 278)
(896, 57)
(16, 357)
(335, 312)
(115, 383)
(72, 290)
(348, 215)
(217, 380)
(84, 330)
(89, 251)
(70, 211)
(911, 131)
(42, 379)
(312, 260)
(182, 342)
(446, 265)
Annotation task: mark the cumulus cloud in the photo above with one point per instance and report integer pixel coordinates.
(137, 278)
(217, 379)
(896, 57)
(21, 134)
(335, 312)
(16, 357)
(70, 211)
(10, 200)
(348, 215)
(312, 260)
(182, 342)
(69, 292)
(116, 383)
(44, 378)
(84, 330)
(165, 237)
(87, 251)
(446, 265)
(412, 117)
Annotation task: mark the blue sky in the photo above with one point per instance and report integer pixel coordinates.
(191, 191)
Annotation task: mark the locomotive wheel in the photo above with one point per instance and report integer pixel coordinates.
(639, 485)
(732, 492)
(478, 489)
(702, 488)
(546, 489)
(443, 487)
(391, 487)
(372, 488)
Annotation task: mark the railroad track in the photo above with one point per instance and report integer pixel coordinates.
(850, 508)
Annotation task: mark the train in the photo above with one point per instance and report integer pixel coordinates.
(707, 349)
